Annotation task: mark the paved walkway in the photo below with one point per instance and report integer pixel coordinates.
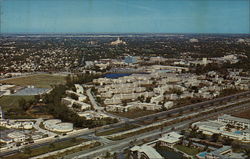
(101, 109)
(37, 126)
(93, 102)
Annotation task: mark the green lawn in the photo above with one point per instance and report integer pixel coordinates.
(11, 109)
(188, 150)
(38, 80)
(3, 128)
(27, 153)
(116, 130)
(127, 135)
(75, 150)
(9, 102)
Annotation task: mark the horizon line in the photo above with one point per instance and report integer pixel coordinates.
(111, 33)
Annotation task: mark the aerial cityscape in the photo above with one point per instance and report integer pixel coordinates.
(110, 91)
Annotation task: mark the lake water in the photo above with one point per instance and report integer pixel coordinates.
(116, 75)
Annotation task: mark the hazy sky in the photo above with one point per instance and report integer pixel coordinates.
(125, 16)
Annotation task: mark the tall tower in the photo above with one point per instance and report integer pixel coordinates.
(204, 61)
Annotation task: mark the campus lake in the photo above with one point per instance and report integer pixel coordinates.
(116, 75)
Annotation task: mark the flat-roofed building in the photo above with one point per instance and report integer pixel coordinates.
(57, 125)
(170, 139)
(17, 136)
(217, 127)
(235, 121)
(145, 152)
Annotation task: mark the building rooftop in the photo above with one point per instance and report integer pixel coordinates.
(148, 150)
(229, 117)
(171, 137)
(223, 149)
(213, 124)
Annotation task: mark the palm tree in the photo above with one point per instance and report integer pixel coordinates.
(115, 155)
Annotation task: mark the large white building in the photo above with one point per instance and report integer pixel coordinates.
(118, 42)
(79, 89)
(57, 125)
(170, 139)
(17, 124)
(145, 152)
(220, 127)
(17, 136)
(238, 122)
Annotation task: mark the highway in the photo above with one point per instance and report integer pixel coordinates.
(126, 143)
(209, 103)
(90, 134)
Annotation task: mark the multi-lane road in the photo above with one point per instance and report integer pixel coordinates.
(151, 135)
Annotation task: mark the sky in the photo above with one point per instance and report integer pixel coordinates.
(125, 16)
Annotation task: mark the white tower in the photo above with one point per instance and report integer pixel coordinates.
(204, 61)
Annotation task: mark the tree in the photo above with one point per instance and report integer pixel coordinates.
(163, 108)
(157, 145)
(140, 98)
(148, 100)
(189, 143)
(156, 118)
(193, 131)
(74, 96)
(27, 150)
(215, 137)
(124, 103)
(37, 98)
(205, 148)
(115, 155)
(52, 145)
(76, 106)
(29, 139)
(183, 132)
(227, 141)
(73, 139)
(23, 104)
(108, 155)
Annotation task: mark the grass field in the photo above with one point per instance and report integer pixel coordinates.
(137, 132)
(75, 150)
(116, 130)
(245, 114)
(9, 102)
(38, 80)
(188, 150)
(27, 153)
(3, 128)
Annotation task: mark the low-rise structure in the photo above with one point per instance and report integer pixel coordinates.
(17, 136)
(220, 127)
(170, 139)
(17, 124)
(238, 122)
(57, 125)
(146, 152)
